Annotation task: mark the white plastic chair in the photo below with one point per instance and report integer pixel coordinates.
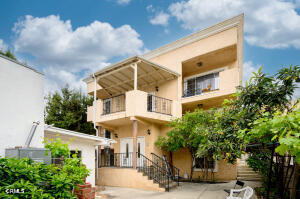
(247, 195)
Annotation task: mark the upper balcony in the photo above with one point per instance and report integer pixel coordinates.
(210, 78)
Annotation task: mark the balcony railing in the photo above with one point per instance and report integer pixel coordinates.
(114, 104)
(201, 84)
(159, 105)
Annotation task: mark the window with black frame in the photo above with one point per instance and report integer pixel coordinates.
(201, 84)
(205, 163)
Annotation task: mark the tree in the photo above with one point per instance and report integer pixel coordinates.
(9, 54)
(68, 109)
(184, 133)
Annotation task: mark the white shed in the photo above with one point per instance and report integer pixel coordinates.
(83, 143)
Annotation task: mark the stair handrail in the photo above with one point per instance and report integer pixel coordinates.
(169, 164)
(158, 171)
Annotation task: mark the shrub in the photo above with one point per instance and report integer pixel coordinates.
(37, 180)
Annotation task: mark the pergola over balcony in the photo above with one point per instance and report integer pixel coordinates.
(132, 74)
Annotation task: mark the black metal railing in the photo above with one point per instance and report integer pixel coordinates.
(159, 105)
(114, 104)
(117, 160)
(162, 162)
(153, 171)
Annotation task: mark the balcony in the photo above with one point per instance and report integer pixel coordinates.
(115, 110)
(210, 89)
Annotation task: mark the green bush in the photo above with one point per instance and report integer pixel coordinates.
(37, 180)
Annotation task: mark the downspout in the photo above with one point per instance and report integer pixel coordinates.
(94, 120)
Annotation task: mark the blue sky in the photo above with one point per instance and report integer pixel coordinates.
(69, 39)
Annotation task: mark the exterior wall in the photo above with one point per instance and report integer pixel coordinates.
(22, 103)
(126, 178)
(126, 132)
(87, 152)
(225, 171)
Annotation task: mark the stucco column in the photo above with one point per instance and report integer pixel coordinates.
(135, 131)
(135, 76)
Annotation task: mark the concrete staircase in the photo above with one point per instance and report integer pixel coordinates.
(246, 173)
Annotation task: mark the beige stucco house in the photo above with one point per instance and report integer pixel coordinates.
(138, 96)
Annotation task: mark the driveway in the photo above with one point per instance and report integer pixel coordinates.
(184, 191)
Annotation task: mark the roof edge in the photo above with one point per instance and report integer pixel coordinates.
(219, 27)
(22, 64)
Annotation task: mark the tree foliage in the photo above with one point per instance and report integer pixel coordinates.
(67, 109)
(8, 53)
(184, 133)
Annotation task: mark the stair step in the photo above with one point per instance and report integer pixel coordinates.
(249, 178)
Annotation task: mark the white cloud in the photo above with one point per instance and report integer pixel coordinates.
(150, 8)
(123, 2)
(3, 46)
(66, 53)
(161, 18)
(248, 69)
(269, 24)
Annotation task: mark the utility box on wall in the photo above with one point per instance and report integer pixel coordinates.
(36, 154)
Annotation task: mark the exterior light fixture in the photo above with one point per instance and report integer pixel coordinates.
(156, 88)
(199, 64)
(116, 135)
(148, 132)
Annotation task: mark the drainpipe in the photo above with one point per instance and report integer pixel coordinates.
(95, 127)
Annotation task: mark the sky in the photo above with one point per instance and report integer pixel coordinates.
(69, 39)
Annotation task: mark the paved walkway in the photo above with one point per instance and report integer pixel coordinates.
(184, 191)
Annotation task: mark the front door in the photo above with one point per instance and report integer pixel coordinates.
(126, 149)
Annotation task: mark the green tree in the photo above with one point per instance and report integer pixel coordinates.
(68, 109)
(9, 54)
(185, 134)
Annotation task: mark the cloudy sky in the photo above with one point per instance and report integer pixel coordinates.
(67, 40)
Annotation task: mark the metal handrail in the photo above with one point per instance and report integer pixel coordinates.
(159, 104)
(113, 106)
(153, 171)
(174, 174)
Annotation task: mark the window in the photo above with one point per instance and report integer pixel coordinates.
(206, 162)
(106, 106)
(201, 84)
(73, 152)
(107, 134)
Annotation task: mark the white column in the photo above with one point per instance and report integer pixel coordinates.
(135, 75)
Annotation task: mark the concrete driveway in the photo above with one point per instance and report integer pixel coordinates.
(184, 191)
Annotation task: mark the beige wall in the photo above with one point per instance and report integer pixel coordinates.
(122, 177)
(225, 171)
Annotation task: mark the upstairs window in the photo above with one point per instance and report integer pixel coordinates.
(201, 84)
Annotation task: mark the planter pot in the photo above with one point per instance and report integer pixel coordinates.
(85, 191)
